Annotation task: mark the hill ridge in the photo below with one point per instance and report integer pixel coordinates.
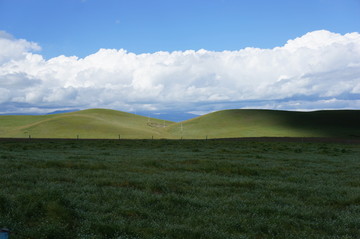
(229, 123)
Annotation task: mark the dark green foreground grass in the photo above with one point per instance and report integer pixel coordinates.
(179, 189)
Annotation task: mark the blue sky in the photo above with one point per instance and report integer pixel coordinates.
(188, 56)
(81, 27)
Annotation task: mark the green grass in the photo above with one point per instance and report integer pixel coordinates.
(101, 123)
(179, 189)
(94, 123)
(259, 123)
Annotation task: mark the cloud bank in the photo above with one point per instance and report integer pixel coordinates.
(320, 70)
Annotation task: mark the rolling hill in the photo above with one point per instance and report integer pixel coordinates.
(103, 123)
(92, 123)
(270, 123)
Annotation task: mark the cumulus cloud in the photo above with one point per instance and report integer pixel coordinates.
(318, 70)
(14, 49)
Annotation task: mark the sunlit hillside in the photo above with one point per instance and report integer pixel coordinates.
(102, 123)
(93, 123)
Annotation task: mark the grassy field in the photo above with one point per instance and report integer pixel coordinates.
(93, 123)
(110, 124)
(259, 123)
(179, 189)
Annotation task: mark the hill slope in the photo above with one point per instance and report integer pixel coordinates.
(270, 123)
(93, 123)
(101, 123)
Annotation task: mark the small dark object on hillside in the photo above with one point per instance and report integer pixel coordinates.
(4, 233)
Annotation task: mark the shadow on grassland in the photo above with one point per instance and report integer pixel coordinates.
(339, 123)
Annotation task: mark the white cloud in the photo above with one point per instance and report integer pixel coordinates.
(320, 68)
(14, 49)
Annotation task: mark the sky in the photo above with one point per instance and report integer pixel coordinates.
(188, 56)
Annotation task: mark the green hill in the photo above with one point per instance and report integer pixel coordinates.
(270, 123)
(93, 123)
(102, 123)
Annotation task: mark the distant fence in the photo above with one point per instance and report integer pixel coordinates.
(249, 139)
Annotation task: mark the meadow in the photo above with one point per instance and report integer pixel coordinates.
(179, 189)
(112, 124)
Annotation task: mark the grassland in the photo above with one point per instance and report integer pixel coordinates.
(93, 123)
(179, 189)
(110, 124)
(270, 123)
